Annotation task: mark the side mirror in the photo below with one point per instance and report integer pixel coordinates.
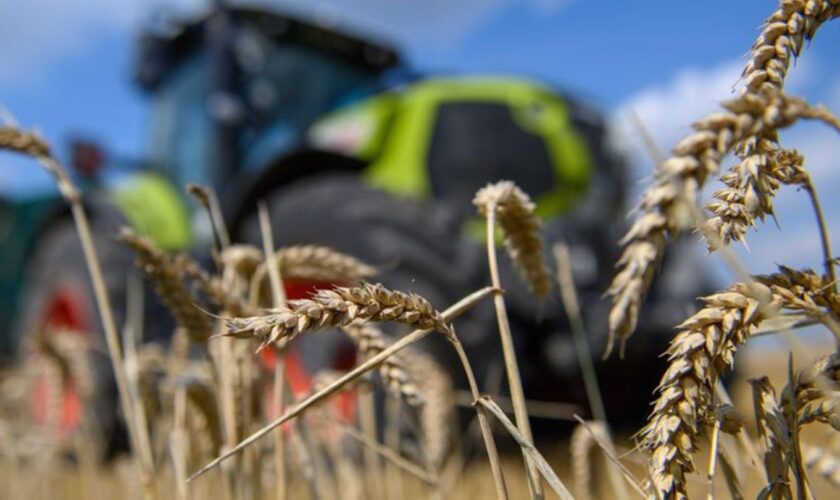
(87, 157)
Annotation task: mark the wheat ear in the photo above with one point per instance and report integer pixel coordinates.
(437, 412)
(339, 307)
(370, 341)
(668, 208)
(167, 276)
(514, 211)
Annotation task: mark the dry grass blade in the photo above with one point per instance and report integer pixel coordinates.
(167, 276)
(450, 314)
(339, 307)
(528, 447)
(515, 212)
(609, 451)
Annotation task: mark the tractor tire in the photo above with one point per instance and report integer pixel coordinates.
(60, 319)
(415, 246)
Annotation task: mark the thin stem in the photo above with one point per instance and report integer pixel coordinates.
(825, 239)
(713, 460)
(590, 379)
(111, 338)
(570, 302)
(374, 481)
(451, 313)
(278, 295)
(746, 442)
(511, 367)
(486, 431)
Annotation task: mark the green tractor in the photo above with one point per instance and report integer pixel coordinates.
(348, 150)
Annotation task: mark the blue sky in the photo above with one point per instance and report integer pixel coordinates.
(65, 69)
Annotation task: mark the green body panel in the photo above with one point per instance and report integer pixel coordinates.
(393, 132)
(154, 208)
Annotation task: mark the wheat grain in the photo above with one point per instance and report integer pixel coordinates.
(750, 187)
(814, 394)
(339, 307)
(701, 351)
(521, 227)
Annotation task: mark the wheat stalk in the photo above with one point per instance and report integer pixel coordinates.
(515, 212)
(339, 307)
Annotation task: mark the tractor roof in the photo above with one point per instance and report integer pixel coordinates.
(160, 52)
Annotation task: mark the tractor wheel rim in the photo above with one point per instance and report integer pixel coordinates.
(59, 404)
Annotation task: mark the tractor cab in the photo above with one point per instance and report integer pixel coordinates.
(237, 88)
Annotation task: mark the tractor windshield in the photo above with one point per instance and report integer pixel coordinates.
(282, 87)
(286, 87)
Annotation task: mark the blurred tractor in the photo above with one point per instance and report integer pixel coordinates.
(348, 150)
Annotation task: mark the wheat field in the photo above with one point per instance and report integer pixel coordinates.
(205, 418)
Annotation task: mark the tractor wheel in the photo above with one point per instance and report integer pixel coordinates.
(60, 335)
(416, 247)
